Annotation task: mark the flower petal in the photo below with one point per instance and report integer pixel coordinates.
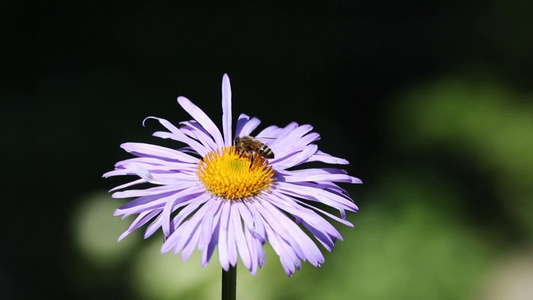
(245, 125)
(182, 228)
(326, 158)
(191, 243)
(141, 219)
(291, 159)
(269, 132)
(201, 118)
(232, 244)
(149, 150)
(207, 224)
(223, 255)
(177, 135)
(236, 227)
(303, 246)
(325, 174)
(241, 121)
(195, 130)
(226, 110)
(314, 192)
(210, 249)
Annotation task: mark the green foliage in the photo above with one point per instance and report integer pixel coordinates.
(478, 118)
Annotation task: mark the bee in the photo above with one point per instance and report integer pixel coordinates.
(247, 145)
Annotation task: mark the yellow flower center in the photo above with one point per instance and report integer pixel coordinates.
(234, 176)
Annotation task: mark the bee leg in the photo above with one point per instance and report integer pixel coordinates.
(251, 160)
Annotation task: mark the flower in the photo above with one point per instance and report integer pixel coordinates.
(212, 194)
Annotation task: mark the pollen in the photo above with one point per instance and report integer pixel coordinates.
(234, 176)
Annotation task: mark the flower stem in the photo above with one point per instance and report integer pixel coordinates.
(229, 283)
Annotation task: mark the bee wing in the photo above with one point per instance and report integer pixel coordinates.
(264, 139)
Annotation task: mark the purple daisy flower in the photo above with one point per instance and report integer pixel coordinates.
(212, 194)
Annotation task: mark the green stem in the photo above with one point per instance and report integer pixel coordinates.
(229, 283)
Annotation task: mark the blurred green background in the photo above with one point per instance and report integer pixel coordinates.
(430, 102)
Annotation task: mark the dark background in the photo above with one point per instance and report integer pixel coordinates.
(77, 78)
